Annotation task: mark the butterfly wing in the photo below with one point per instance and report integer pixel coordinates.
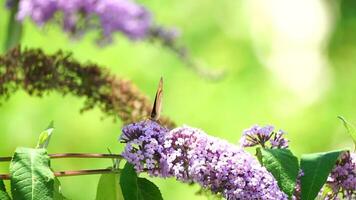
(157, 105)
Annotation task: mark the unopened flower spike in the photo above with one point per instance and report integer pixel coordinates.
(38, 73)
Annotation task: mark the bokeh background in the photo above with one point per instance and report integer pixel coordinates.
(289, 63)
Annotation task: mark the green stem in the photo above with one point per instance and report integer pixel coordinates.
(259, 155)
(14, 28)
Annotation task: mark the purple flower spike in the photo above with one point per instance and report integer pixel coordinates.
(191, 155)
(194, 156)
(257, 135)
(144, 147)
(342, 179)
(124, 16)
(39, 10)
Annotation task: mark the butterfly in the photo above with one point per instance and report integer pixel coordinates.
(157, 105)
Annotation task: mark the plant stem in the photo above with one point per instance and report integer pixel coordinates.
(72, 173)
(259, 155)
(72, 155)
(14, 28)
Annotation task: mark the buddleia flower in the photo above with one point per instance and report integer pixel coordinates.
(192, 156)
(125, 16)
(342, 179)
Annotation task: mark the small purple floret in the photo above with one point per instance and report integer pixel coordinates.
(257, 135)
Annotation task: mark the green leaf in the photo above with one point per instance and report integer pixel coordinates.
(45, 136)
(135, 188)
(148, 190)
(109, 187)
(31, 176)
(14, 28)
(284, 167)
(128, 182)
(316, 168)
(350, 129)
(3, 194)
(58, 190)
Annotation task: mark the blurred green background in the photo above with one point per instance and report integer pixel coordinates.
(289, 63)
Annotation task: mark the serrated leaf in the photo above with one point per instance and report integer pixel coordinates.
(45, 137)
(316, 168)
(284, 167)
(135, 188)
(109, 187)
(350, 129)
(3, 194)
(31, 176)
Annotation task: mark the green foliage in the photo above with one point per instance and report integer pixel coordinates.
(128, 182)
(219, 36)
(350, 129)
(316, 168)
(57, 193)
(135, 188)
(45, 137)
(31, 176)
(284, 167)
(148, 190)
(3, 194)
(109, 187)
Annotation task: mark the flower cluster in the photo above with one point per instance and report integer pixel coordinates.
(190, 155)
(144, 147)
(124, 16)
(342, 179)
(257, 135)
